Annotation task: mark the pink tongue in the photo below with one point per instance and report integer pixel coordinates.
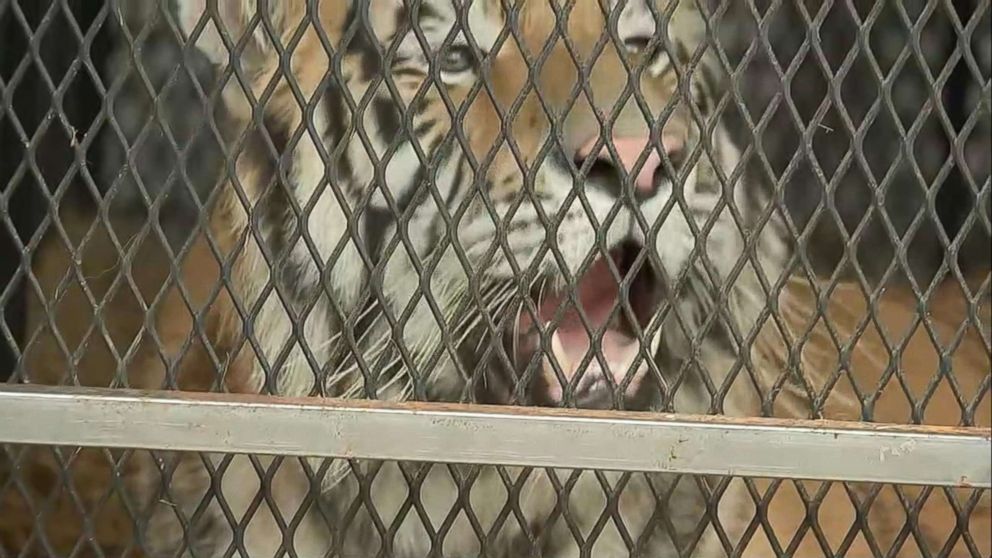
(598, 293)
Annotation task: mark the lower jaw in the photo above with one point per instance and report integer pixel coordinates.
(594, 391)
(589, 393)
(543, 388)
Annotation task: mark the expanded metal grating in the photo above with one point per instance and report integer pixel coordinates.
(522, 252)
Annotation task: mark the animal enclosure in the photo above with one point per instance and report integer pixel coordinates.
(504, 278)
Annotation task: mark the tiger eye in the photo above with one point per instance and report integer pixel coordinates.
(456, 59)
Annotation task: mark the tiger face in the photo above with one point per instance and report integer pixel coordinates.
(512, 202)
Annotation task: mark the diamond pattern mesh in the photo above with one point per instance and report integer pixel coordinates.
(128, 134)
(53, 512)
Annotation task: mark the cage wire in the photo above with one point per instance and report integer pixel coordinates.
(756, 209)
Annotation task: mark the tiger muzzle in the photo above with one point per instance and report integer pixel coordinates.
(589, 340)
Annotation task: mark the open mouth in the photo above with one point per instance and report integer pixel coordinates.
(595, 355)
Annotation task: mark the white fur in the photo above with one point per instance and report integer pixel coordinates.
(448, 285)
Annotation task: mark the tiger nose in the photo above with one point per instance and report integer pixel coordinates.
(629, 149)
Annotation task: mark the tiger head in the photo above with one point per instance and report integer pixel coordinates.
(513, 201)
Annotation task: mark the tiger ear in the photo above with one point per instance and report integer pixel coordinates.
(218, 27)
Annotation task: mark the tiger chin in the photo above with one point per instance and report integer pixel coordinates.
(453, 234)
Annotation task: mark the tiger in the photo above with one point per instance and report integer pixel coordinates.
(505, 202)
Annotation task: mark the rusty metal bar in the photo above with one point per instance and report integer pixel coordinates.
(822, 450)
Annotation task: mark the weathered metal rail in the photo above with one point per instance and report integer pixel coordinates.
(822, 450)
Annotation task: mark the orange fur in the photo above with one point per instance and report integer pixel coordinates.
(90, 470)
(203, 313)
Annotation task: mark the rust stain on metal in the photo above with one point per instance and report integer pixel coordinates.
(256, 401)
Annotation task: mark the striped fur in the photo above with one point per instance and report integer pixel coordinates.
(353, 195)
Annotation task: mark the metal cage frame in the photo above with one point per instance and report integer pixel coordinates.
(824, 450)
(496, 435)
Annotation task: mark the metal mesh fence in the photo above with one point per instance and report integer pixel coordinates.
(754, 208)
(587, 513)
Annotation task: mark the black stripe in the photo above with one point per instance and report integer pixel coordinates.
(402, 18)
(682, 53)
(362, 43)
(377, 222)
(388, 118)
(436, 231)
(338, 129)
(404, 201)
(709, 79)
(700, 79)
(277, 134)
(424, 127)
(426, 12)
(335, 114)
(703, 298)
(278, 212)
(449, 201)
(420, 106)
(438, 226)
(706, 89)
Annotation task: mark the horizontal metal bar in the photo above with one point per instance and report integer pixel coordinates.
(823, 450)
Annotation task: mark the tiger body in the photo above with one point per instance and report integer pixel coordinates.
(354, 197)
